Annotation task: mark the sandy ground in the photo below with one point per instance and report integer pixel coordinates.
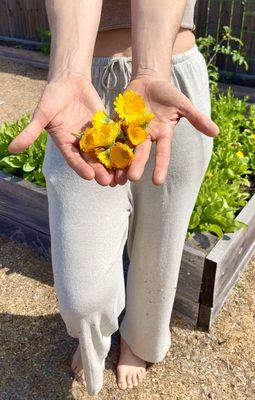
(35, 352)
(20, 89)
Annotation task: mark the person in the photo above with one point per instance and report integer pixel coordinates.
(94, 211)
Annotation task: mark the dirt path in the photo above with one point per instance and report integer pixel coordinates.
(20, 89)
(36, 350)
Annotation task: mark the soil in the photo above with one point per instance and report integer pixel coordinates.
(36, 351)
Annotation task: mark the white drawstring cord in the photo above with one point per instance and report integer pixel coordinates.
(125, 68)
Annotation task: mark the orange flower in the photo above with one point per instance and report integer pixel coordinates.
(136, 134)
(121, 155)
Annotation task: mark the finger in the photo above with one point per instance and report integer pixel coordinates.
(162, 159)
(26, 137)
(200, 121)
(142, 152)
(76, 162)
(103, 176)
(121, 176)
(113, 181)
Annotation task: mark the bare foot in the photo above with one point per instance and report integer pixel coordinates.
(77, 368)
(131, 369)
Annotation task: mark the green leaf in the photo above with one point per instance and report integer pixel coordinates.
(28, 166)
(216, 229)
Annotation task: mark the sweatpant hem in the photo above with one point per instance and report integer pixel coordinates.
(152, 358)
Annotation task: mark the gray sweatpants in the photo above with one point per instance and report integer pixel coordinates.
(90, 224)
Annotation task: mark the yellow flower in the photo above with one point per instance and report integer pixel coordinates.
(103, 157)
(131, 107)
(87, 140)
(106, 134)
(136, 134)
(100, 118)
(142, 120)
(209, 174)
(239, 154)
(252, 136)
(99, 136)
(121, 155)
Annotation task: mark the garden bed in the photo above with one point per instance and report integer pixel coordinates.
(209, 268)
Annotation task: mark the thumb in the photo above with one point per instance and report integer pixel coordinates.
(26, 137)
(200, 121)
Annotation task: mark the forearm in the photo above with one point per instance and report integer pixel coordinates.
(155, 25)
(74, 26)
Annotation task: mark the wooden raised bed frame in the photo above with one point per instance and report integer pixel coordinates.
(209, 268)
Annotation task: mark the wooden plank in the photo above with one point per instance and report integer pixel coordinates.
(22, 18)
(207, 314)
(214, 15)
(229, 251)
(204, 317)
(190, 276)
(32, 58)
(208, 283)
(4, 20)
(226, 259)
(21, 233)
(201, 16)
(249, 37)
(24, 202)
(224, 21)
(234, 260)
(186, 308)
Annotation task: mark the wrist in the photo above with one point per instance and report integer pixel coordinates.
(68, 64)
(68, 73)
(151, 73)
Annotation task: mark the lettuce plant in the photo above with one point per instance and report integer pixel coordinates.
(226, 185)
(27, 164)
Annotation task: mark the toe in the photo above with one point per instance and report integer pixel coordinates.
(134, 379)
(129, 381)
(122, 382)
(140, 375)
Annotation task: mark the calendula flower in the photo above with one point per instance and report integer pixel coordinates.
(142, 120)
(99, 136)
(131, 107)
(136, 134)
(239, 154)
(252, 136)
(103, 157)
(87, 140)
(121, 155)
(100, 118)
(106, 134)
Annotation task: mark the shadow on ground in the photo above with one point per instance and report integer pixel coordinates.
(37, 356)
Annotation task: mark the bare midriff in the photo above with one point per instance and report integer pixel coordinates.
(117, 42)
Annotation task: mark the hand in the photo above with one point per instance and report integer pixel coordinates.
(168, 105)
(66, 106)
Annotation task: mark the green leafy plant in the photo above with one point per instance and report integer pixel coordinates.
(226, 187)
(210, 47)
(44, 47)
(27, 164)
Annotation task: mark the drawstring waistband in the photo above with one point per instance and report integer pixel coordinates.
(109, 78)
(125, 66)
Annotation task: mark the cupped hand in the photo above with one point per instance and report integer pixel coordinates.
(168, 105)
(66, 107)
